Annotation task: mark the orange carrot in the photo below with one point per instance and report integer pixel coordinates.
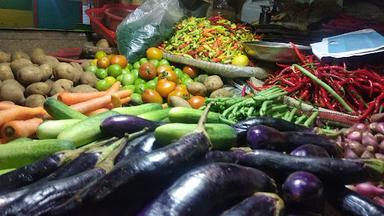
(116, 102)
(98, 103)
(7, 105)
(3, 140)
(20, 128)
(74, 98)
(121, 100)
(20, 113)
(114, 88)
(97, 111)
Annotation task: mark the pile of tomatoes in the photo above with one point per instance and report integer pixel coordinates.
(152, 79)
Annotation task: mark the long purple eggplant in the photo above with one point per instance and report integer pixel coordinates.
(140, 145)
(118, 125)
(260, 204)
(329, 170)
(209, 190)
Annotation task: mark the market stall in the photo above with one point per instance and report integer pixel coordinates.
(192, 108)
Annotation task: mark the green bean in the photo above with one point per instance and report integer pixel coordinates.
(264, 107)
(300, 119)
(292, 114)
(309, 122)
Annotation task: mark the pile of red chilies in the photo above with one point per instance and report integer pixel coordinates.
(362, 90)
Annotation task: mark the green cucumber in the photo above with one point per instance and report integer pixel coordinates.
(6, 171)
(137, 110)
(59, 110)
(15, 155)
(86, 131)
(20, 140)
(222, 136)
(156, 115)
(50, 129)
(189, 115)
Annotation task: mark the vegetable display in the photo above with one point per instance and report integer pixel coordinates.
(215, 39)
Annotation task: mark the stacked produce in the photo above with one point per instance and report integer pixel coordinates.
(215, 39)
(333, 87)
(29, 79)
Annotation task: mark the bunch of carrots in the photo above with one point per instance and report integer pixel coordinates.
(19, 121)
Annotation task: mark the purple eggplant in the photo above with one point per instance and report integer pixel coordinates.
(310, 150)
(260, 204)
(303, 190)
(264, 137)
(209, 190)
(119, 125)
(141, 145)
(329, 170)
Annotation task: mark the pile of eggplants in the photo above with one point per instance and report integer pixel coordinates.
(284, 169)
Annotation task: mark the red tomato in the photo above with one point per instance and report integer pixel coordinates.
(190, 71)
(196, 101)
(164, 87)
(147, 71)
(119, 59)
(169, 75)
(151, 96)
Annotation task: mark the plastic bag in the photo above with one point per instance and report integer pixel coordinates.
(147, 26)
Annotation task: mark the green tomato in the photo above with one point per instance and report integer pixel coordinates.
(178, 72)
(143, 60)
(125, 71)
(135, 72)
(119, 78)
(114, 70)
(164, 62)
(187, 81)
(136, 99)
(129, 66)
(110, 79)
(139, 88)
(128, 79)
(151, 84)
(139, 81)
(92, 68)
(136, 65)
(102, 85)
(129, 87)
(101, 73)
(155, 62)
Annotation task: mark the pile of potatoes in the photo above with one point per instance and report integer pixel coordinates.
(29, 79)
(212, 86)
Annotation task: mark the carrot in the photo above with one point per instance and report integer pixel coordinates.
(74, 98)
(98, 103)
(97, 111)
(20, 113)
(7, 105)
(114, 88)
(20, 128)
(122, 101)
(116, 102)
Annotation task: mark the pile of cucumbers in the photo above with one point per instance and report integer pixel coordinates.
(146, 160)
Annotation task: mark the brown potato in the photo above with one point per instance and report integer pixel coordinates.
(37, 51)
(197, 89)
(49, 82)
(51, 60)
(4, 57)
(35, 100)
(47, 71)
(60, 86)
(5, 71)
(18, 64)
(102, 43)
(213, 83)
(85, 64)
(83, 88)
(88, 78)
(19, 55)
(221, 93)
(12, 92)
(40, 88)
(65, 71)
(15, 82)
(29, 74)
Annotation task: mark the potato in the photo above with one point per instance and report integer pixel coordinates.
(29, 74)
(35, 100)
(83, 88)
(85, 64)
(88, 78)
(102, 43)
(12, 92)
(49, 82)
(196, 88)
(15, 82)
(38, 59)
(20, 55)
(37, 51)
(60, 86)
(221, 93)
(79, 69)
(4, 57)
(213, 83)
(47, 71)
(18, 64)
(51, 61)
(5, 72)
(40, 88)
(201, 78)
(65, 71)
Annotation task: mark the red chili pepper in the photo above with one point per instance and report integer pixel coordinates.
(282, 65)
(378, 102)
(285, 81)
(297, 51)
(243, 93)
(368, 111)
(325, 98)
(304, 94)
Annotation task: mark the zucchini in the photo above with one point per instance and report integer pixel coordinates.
(189, 115)
(87, 130)
(51, 128)
(222, 136)
(59, 110)
(13, 155)
(156, 115)
(137, 110)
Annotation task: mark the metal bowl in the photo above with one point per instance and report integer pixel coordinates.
(273, 51)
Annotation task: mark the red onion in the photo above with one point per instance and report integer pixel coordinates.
(368, 153)
(380, 127)
(381, 146)
(360, 127)
(348, 153)
(368, 139)
(355, 135)
(356, 147)
(369, 190)
(379, 201)
(373, 126)
(379, 137)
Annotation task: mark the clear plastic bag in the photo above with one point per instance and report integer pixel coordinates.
(147, 26)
